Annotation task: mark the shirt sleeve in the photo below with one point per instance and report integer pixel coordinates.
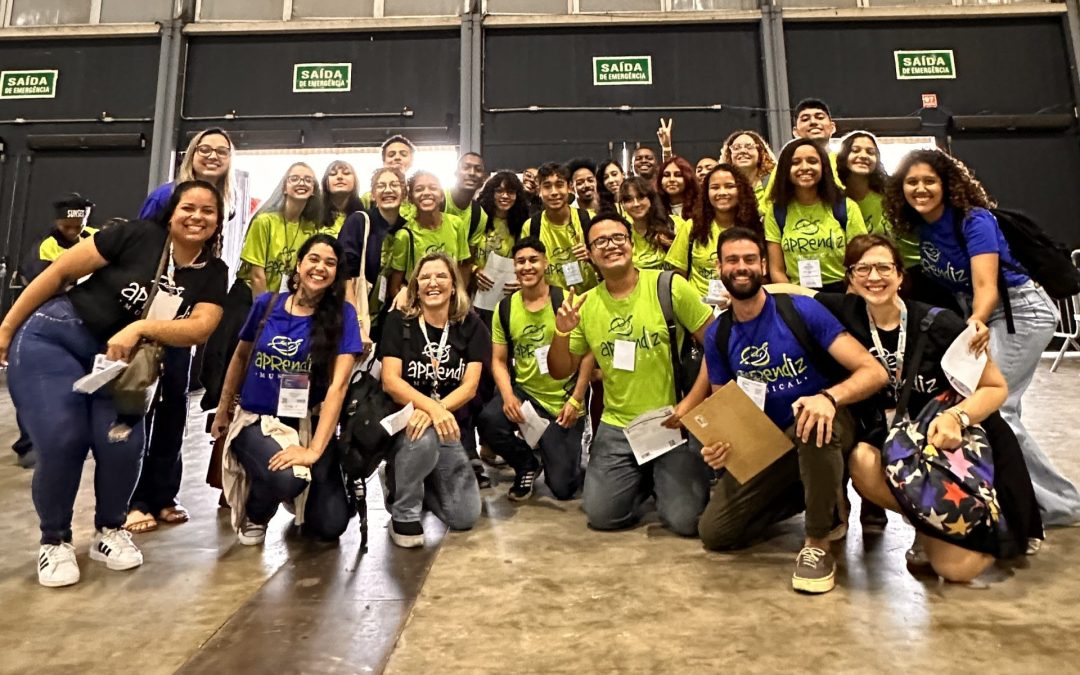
(156, 202)
(497, 335)
(350, 332)
(526, 228)
(215, 288)
(478, 349)
(715, 362)
(399, 253)
(856, 224)
(691, 312)
(351, 234)
(118, 240)
(676, 255)
(251, 323)
(393, 333)
(772, 229)
(257, 241)
(821, 323)
(981, 232)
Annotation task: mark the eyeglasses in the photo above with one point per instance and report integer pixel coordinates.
(862, 270)
(296, 180)
(743, 146)
(383, 187)
(206, 151)
(618, 239)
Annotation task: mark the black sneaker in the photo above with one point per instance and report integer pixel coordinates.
(482, 479)
(873, 518)
(407, 534)
(522, 488)
(815, 571)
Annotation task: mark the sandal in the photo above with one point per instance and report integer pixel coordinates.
(138, 522)
(174, 515)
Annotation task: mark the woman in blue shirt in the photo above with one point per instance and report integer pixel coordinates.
(290, 399)
(935, 196)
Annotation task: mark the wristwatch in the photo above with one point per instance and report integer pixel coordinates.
(962, 417)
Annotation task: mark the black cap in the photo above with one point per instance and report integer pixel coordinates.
(72, 205)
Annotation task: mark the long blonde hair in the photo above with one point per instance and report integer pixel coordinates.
(187, 166)
(459, 299)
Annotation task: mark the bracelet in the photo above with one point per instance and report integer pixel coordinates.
(562, 334)
(575, 404)
(832, 399)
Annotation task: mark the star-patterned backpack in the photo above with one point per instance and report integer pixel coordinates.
(949, 493)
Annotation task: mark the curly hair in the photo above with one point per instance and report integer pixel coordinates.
(959, 189)
(328, 321)
(766, 158)
(690, 184)
(746, 211)
(415, 178)
(877, 177)
(657, 222)
(783, 190)
(518, 212)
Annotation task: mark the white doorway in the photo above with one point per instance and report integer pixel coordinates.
(893, 148)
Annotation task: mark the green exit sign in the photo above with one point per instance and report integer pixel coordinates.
(930, 64)
(28, 84)
(612, 70)
(321, 77)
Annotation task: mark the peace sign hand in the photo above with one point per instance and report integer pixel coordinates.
(663, 134)
(568, 318)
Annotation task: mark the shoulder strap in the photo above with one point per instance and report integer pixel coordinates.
(259, 331)
(818, 356)
(1003, 288)
(410, 259)
(780, 214)
(157, 279)
(504, 321)
(916, 361)
(690, 253)
(723, 333)
(475, 212)
(839, 212)
(537, 224)
(362, 308)
(584, 218)
(556, 298)
(663, 294)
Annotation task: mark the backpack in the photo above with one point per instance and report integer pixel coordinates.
(685, 361)
(556, 295)
(818, 356)
(839, 212)
(537, 223)
(1041, 257)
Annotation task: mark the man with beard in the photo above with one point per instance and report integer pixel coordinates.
(645, 163)
(621, 323)
(461, 199)
(523, 327)
(583, 181)
(813, 369)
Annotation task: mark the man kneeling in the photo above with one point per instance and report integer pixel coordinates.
(522, 329)
(813, 370)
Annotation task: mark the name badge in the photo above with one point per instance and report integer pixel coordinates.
(572, 273)
(810, 273)
(293, 394)
(754, 389)
(283, 285)
(541, 358)
(625, 351)
(718, 293)
(382, 288)
(164, 307)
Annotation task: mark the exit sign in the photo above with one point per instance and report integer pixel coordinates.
(613, 70)
(929, 64)
(321, 77)
(28, 84)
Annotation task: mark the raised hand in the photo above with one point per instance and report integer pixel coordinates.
(568, 318)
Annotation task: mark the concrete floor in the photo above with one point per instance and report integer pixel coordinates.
(529, 590)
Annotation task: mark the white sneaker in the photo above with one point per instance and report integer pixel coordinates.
(115, 549)
(57, 565)
(251, 534)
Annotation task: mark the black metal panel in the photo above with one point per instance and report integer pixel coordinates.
(252, 75)
(1005, 66)
(117, 76)
(693, 65)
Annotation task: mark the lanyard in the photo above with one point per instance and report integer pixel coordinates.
(901, 344)
(434, 356)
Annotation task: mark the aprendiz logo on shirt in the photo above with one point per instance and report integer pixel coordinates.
(708, 271)
(432, 351)
(283, 362)
(931, 258)
(623, 328)
(421, 371)
(802, 237)
(134, 296)
(922, 384)
(753, 362)
(531, 338)
(281, 266)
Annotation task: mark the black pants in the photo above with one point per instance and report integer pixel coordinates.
(163, 466)
(222, 343)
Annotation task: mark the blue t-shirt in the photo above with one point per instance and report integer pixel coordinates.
(765, 349)
(156, 202)
(943, 257)
(284, 348)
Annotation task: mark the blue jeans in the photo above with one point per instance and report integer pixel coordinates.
(613, 484)
(451, 491)
(560, 448)
(50, 351)
(1017, 355)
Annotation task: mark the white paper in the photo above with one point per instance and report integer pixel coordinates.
(962, 368)
(396, 422)
(572, 272)
(754, 389)
(649, 438)
(534, 426)
(810, 273)
(164, 306)
(501, 271)
(541, 358)
(625, 351)
(103, 372)
(718, 293)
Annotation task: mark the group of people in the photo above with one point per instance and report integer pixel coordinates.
(813, 281)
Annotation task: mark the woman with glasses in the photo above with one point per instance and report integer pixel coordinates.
(208, 158)
(342, 199)
(751, 155)
(652, 230)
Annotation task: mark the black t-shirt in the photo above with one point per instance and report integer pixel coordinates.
(402, 338)
(930, 381)
(113, 296)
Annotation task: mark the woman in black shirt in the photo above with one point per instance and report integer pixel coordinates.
(55, 337)
(432, 354)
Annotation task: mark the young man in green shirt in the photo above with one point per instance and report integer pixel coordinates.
(522, 376)
(622, 325)
(398, 153)
(460, 200)
(561, 228)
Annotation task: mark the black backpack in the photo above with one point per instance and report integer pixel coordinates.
(839, 212)
(685, 360)
(537, 220)
(818, 356)
(556, 294)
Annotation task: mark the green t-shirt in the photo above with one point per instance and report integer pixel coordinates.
(811, 232)
(647, 256)
(272, 244)
(559, 241)
(531, 331)
(873, 212)
(449, 237)
(636, 318)
(335, 228)
(497, 239)
(476, 240)
(703, 265)
(407, 210)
